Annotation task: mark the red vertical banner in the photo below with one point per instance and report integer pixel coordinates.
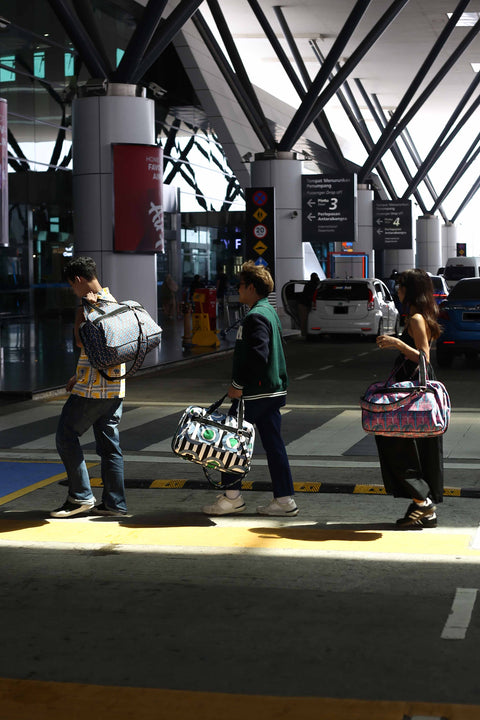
(138, 198)
(3, 173)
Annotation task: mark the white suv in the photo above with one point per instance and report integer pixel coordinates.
(358, 305)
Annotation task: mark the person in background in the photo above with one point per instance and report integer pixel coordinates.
(196, 283)
(168, 296)
(413, 467)
(259, 375)
(305, 301)
(222, 284)
(94, 402)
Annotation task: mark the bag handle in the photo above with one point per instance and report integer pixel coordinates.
(422, 369)
(241, 409)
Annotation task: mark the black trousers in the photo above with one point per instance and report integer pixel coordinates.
(412, 467)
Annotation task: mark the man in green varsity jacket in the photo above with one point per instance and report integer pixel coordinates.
(259, 374)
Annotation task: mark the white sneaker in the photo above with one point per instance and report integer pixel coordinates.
(225, 506)
(277, 508)
(70, 509)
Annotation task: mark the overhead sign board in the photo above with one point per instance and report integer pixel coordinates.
(392, 225)
(260, 227)
(329, 208)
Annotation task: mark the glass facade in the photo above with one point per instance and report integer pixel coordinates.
(39, 73)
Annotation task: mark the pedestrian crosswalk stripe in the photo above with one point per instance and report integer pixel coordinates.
(332, 438)
(26, 417)
(148, 429)
(130, 420)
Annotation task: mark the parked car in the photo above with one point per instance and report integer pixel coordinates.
(440, 288)
(359, 306)
(460, 319)
(458, 268)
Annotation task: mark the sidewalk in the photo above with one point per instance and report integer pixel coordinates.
(38, 358)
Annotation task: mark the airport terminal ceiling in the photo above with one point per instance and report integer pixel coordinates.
(309, 33)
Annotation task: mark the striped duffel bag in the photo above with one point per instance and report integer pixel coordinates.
(214, 440)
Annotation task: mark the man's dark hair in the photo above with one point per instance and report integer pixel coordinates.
(81, 267)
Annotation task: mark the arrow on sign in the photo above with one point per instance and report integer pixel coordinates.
(311, 217)
(311, 202)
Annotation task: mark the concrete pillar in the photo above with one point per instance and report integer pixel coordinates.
(398, 260)
(429, 255)
(283, 171)
(449, 242)
(123, 115)
(364, 242)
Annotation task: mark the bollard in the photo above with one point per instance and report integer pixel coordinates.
(187, 322)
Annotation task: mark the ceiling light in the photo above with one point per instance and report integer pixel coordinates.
(467, 19)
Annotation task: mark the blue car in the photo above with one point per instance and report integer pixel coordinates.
(459, 316)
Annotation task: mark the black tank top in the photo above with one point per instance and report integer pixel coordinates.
(404, 368)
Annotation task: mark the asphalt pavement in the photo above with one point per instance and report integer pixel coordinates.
(333, 614)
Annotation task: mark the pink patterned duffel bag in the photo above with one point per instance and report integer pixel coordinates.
(412, 408)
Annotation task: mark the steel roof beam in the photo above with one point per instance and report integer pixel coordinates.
(473, 191)
(412, 151)
(354, 114)
(140, 40)
(440, 146)
(312, 105)
(80, 38)
(397, 123)
(58, 144)
(464, 164)
(85, 12)
(395, 150)
(321, 124)
(167, 31)
(21, 158)
(238, 66)
(235, 86)
(282, 56)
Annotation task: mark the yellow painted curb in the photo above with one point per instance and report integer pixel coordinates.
(37, 700)
(146, 530)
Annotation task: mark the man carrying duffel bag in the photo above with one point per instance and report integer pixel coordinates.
(259, 375)
(94, 402)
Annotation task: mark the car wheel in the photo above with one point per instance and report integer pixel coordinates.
(444, 357)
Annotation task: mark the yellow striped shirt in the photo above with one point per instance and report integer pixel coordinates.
(90, 383)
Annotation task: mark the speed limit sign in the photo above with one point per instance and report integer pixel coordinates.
(260, 231)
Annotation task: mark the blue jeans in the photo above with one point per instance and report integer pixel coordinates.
(78, 415)
(265, 415)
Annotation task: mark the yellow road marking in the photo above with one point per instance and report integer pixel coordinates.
(132, 531)
(175, 484)
(369, 489)
(27, 699)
